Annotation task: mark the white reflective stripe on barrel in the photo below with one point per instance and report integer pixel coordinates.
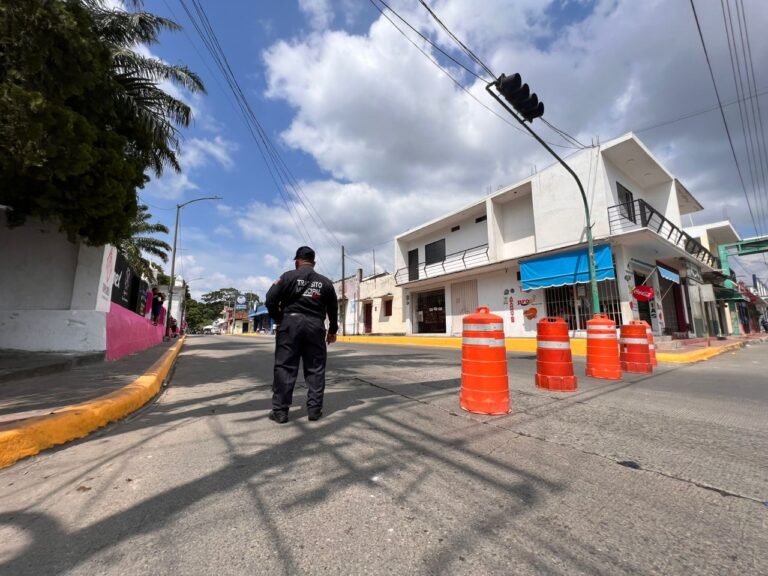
(493, 342)
(554, 345)
(496, 326)
(634, 341)
(652, 346)
(604, 336)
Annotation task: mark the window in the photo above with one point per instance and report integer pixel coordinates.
(455, 228)
(434, 252)
(387, 307)
(626, 202)
(481, 219)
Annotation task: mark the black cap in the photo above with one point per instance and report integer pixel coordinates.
(305, 253)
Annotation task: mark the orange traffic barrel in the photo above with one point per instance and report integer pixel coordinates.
(484, 378)
(634, 353)
(651, 343)
(554, 363)
(602, 348)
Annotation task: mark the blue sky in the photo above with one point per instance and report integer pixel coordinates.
(381, 140)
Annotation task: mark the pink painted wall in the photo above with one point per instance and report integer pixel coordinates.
(127, 332)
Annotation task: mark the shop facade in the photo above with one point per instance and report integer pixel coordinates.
(522, 252)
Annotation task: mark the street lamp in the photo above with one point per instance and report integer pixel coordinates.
(173, 260)
(528, 106)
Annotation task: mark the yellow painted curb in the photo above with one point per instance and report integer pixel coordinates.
(30, 436)
(528, 345)
(578, 345)
(696, 355)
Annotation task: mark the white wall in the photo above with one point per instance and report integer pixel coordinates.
(50, 291)
(37, 267)
(53, 330)
(469, 235)
(491, 292)
(558, 206)
(377, 289)
(517, 227)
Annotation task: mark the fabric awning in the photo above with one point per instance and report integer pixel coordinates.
(728, 294)
(260, 311)
(668, 275)
(566, 268)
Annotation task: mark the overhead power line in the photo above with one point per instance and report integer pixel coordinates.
(722, 113)
(280, 174)
(434, 62)
(475, 58)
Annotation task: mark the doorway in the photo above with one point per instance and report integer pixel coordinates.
(368, 317)
(430, 312)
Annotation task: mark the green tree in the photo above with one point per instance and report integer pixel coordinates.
(141, 243)
(81, 116)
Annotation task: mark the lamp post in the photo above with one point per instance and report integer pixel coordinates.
(173, 260)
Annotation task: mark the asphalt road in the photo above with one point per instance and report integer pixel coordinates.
(664, 474)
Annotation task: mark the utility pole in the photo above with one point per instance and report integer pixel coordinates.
(529, 107)
(374, 261)
(343, 296)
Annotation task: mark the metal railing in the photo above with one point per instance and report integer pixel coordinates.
(456, 262)
(639, 214)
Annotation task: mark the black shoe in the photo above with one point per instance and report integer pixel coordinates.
(315, 414)
(279, 417)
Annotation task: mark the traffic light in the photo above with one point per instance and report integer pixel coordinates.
(519, 95)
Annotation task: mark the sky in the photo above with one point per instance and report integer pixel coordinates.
(379, 139)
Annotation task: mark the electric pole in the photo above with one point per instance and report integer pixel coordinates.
(343, 296)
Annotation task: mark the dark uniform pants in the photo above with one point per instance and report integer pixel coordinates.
(299, 337)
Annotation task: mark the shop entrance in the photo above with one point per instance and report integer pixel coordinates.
(430, 312)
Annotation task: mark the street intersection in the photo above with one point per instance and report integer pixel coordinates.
(653, 474)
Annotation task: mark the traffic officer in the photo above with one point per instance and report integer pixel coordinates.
(299, 302)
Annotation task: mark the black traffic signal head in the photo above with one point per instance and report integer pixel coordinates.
(519, 95)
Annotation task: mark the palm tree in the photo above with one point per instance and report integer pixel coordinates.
(158, 113)
(141, 243)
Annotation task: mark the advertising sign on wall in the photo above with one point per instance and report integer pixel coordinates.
(643, 293)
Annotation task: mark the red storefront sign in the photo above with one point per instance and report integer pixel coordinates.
(643, 293)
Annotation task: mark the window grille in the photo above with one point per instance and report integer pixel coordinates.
(573, 303)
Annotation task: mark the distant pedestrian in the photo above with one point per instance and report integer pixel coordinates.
(157, 304)
(299, 302)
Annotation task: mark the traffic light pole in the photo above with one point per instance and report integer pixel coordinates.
(590, 246)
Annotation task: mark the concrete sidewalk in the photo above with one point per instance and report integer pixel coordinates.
(48, 409)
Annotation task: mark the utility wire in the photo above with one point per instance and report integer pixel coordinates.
(760, 127)
(746, 130)
(466, 50)
(447, 73)
(276, 166)
(752, 88)
(567, 137)
(722, 113)
(433, 44)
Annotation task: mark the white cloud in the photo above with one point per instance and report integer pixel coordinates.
(196, 153)
(272, 262)
(319, 12)
(401, 144)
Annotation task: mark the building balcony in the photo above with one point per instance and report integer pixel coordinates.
(456, 262)
(639, 215)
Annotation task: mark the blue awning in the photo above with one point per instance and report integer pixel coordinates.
(260, 311)
(566, 268)
(668, 275)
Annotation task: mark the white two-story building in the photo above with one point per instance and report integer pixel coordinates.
(522, 251)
